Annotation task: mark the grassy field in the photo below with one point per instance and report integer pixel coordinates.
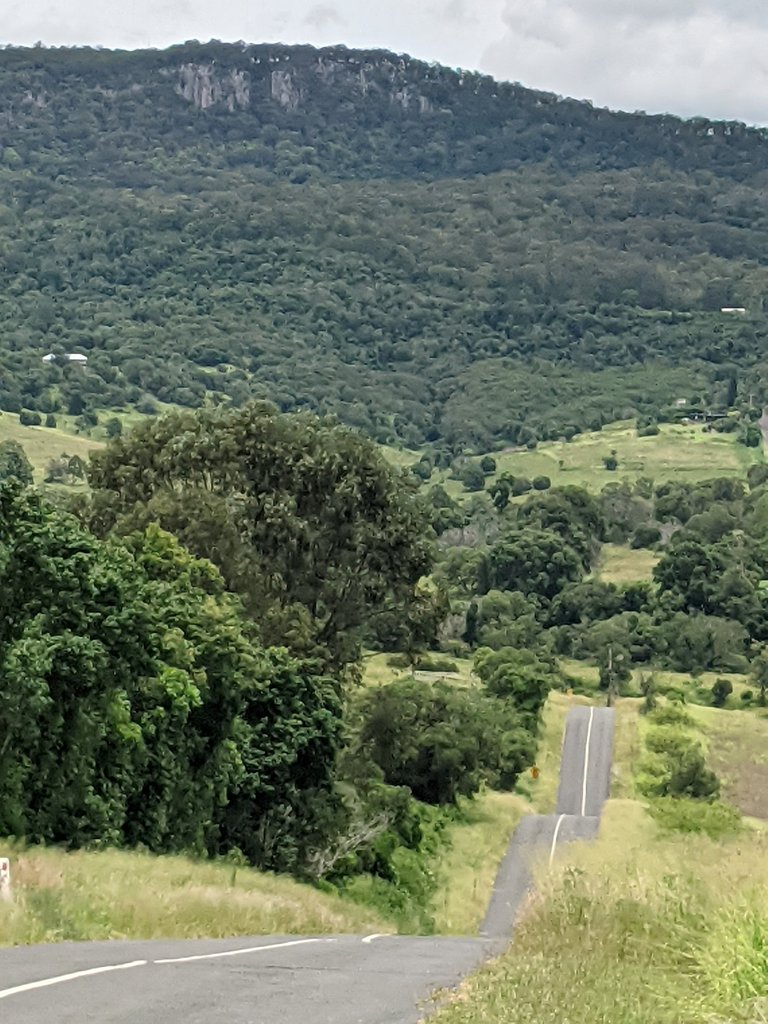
(737, 750)
(110, 894)
(376, 671)
(41, 444)
(678, 452)
(620, 564)
(683, 453)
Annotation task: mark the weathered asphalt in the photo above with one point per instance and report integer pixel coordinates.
(585, 778)
(292, 980)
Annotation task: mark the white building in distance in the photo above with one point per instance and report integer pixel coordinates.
(70, 357)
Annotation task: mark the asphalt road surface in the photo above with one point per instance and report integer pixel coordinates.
(585, 778)
(290, 980)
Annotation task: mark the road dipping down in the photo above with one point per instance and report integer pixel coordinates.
(585, 775)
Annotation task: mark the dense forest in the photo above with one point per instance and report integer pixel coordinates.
(425, 253)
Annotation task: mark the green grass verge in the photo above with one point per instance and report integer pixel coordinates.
(113, 894)
(466, 868)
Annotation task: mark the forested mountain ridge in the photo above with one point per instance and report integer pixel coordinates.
(429, 254)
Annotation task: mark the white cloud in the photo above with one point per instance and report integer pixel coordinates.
(685, 56)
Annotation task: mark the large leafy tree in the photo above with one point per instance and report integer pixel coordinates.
(534, 561)
(304, 519)
(136, 705)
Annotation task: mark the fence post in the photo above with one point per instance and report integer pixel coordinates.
(5, 878)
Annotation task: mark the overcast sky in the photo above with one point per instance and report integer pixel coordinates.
(689, 57)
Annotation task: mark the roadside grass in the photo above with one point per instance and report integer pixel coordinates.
(466, 868)
(41, 444)
(620, 564)
(111, 894)
(633, 928)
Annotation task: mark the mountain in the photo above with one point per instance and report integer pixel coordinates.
(428, 254)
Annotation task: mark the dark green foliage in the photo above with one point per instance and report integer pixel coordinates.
(608, 241)
(611, 462)
(488, 464)
(679, 767)
(472, 477)
(137, 707)
(721, 691)
(14, 464)
(305, 519)
(443, 742)
(541, 483)
(520, 677)
(30, 419)
(50, 420)
(533, 561)
(645, 536)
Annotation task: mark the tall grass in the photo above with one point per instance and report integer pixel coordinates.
(113, 894)
(635, 929)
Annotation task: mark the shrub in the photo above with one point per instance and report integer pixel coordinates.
(541, 483)
(645, 536)
(747, 696)
(434, 663)
(50, 420)
(721, 691)
(671, 714)
(676, 814)
(611, 462)
(30, 419)
(398, 661)
(488, 464)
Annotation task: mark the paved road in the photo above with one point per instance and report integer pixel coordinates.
(289, 980)
(585, 776)
(342, 980)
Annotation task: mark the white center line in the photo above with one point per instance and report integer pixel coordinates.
(586, 764)
(372, 938)
(554, 837)
(32, 985)
(234, 952)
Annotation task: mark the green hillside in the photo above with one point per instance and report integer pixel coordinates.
(427, 254)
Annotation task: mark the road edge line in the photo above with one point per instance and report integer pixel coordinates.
(30, 986)
(234, 952)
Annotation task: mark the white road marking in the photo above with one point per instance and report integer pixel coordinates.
(586, 764)
(30, 986)
(234, 952)
(372, 938)
(554, 837)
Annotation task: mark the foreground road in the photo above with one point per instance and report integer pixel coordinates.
(345, 980)
(289, 980)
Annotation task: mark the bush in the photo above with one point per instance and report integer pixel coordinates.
(721, 691)
(747, 696)
(50, 420)
(30, 419)
(671, 714)
(472, 477)
(676, 814)
(645, 536)
(675, 766)
(434, 663)
(488, 464)
(541, 483)
(610, 462)
(398, 661)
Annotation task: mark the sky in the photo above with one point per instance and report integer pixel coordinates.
(688, 57)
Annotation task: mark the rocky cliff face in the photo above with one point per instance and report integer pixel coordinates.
(292, 85)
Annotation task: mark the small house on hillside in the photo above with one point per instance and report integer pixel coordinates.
(732, 309)
(70, 357)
